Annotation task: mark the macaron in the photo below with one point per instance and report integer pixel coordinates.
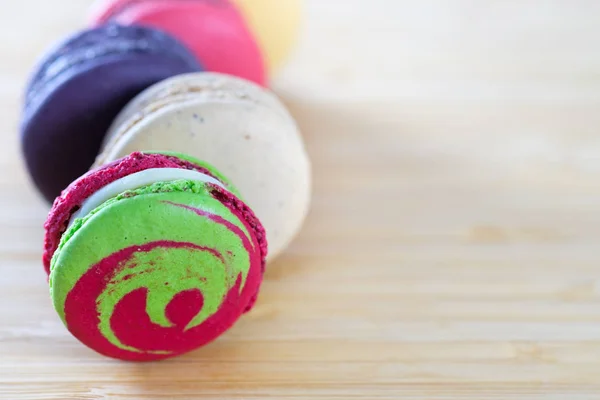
(276, 25)
(79, 87)
(239, 127)
(152, 256)
(244, 38)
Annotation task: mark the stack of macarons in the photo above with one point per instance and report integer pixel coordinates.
(167, 180)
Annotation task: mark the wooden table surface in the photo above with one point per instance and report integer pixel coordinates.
(452, 250)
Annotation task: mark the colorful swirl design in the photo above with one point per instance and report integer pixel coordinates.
(158, 273)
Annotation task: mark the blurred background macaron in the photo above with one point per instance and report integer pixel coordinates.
(246, 38)
(237, 126)
(276, 24)
(79, 87)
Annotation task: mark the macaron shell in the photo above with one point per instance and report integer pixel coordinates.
(259, 150)
(108, 40)
(276, 24)
(102, 11)
(156, 272)
(207, 86)
(215, 31)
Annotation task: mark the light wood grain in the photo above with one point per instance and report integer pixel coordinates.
(452, 251)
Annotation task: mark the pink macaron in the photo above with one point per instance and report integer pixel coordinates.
(215, 31)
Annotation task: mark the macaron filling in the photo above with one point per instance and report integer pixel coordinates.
(138, 180)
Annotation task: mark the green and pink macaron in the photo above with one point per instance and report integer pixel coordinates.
(152, 256)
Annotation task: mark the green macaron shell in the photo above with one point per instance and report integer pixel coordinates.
(159, 212)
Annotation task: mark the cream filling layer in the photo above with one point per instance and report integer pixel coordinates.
(137, 180)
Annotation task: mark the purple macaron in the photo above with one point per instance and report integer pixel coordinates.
(79, 88)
